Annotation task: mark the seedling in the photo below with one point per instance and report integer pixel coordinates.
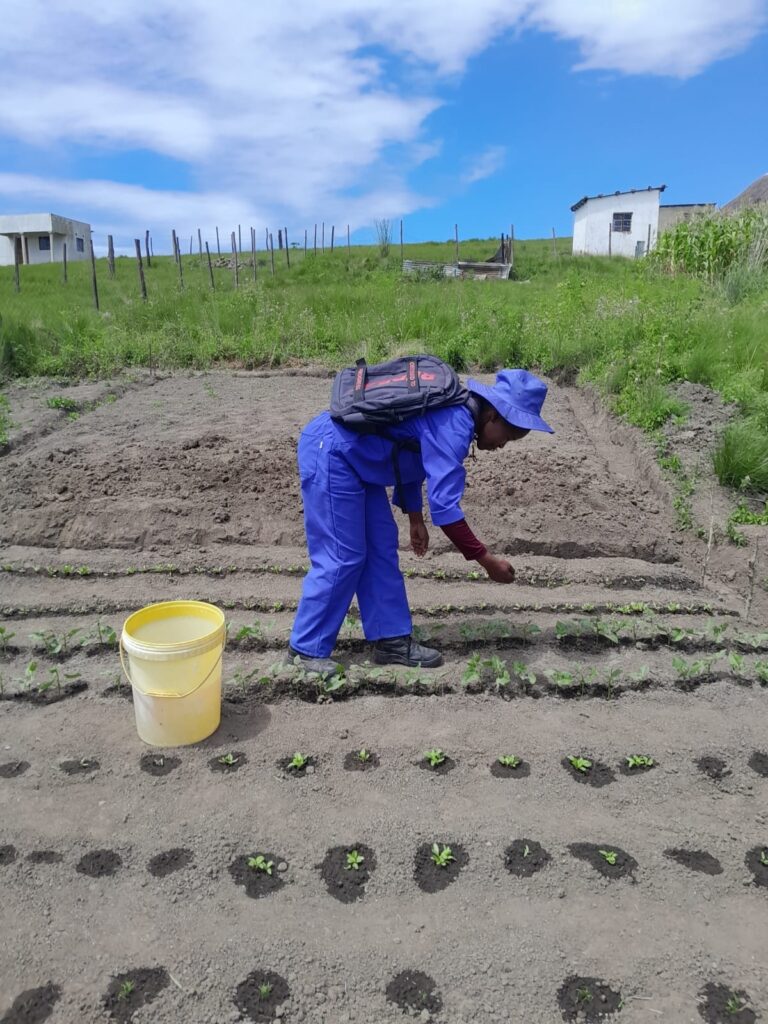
(54, 643)
(734, 1004)
(354, 860)
(364, 755)
(609, 856)
(736, 661)
(441, 858)
(28, 679)
(260, 863)
(298, 761)
(68, 405)
(761, 671)
(125, 989)
(253, 632)
(265, 990)
(639, 761)
(583, 995)
(473, 671)
(55, 679)
(764, 858)
(612, 677)
(105, 635)
(509, 761)
(228, 760)
(521, 671)
(435, 757)
(5, 639)
(527, 851)
(580, 764)
(563, 680)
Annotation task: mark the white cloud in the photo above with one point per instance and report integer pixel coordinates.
(483, 166)
(289, 112)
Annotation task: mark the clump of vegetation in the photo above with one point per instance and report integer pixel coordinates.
(580, 764)
(434, 758)
(441, 857)
(298, 761)
(354, 860)
(260, 863)
(508, 761)
(639, 761)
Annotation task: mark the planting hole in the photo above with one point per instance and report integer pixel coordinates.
(436, 766)
(723, 1005)
(260, 995)
(759, 763)
(158, 764)
(610, 861)
(33, 1006)
(346, 871)
(297, 765)
(168, 861)
(83, 766)
(354, 762)
(44, 857)
(134, 989)
(414, 992)
(757, 862)
(259, 873)
(713, 767)
(586, 769)
(99, 864)
(232, 761)
(696, 860)
(524, 857)
(587, 999)
(8, 855)
(431, 876)
(12, 770)
(508, 770)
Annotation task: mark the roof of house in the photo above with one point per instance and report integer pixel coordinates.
(630, 191)
(757, 192)
(671, 206)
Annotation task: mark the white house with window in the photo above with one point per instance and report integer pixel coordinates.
(621, 224)
(41, 237)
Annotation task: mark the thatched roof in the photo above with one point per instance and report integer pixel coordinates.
(756, 193)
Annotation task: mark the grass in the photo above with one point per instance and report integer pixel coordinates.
(629, 327)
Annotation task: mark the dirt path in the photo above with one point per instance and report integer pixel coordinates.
(186, 486)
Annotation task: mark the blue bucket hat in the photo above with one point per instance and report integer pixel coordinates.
(517, 396)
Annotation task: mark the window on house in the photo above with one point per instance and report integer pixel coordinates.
(44, 243)
(622, 222)
(80, 244)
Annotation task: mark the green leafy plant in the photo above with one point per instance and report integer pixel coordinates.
(527, 851)
(64, 404)
(583, 995)
(521, 671)
(54, 679)
(761, 671)
(260, 863)
(435, 757)
(609, 856)
(253, 632)
(441, 857)
(509, 761)
(298, 761)
(639, 761)
(228, 760)
(5, 639)
(473, 672)
(734, 1004)
(736, 661)
(562, 679)
(54, 644)
(265, 990)
(363, 755)
(125, 990)
(28, 679)
(580, 764)
(354, 860)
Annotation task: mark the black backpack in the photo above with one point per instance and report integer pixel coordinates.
(368, 399)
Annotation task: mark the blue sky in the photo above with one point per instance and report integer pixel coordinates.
(180, 113)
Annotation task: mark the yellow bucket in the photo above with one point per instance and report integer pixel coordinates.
(173, 652)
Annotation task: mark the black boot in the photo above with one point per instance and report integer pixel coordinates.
(403, 650)
(323, 666)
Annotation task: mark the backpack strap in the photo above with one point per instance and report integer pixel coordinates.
(361, 374)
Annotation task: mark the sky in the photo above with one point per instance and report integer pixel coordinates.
(135, 115)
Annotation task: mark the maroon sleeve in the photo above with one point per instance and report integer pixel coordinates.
(461, 536)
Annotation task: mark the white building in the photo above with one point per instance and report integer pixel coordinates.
(622, 224)
(40, 238)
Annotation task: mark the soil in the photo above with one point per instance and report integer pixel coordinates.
(343, 883)
(756, 866)
(524, 857)
(258, 883)
(758, 762)
(696, 860)
(99, 864)
(33, 1006)
(598, 775)
(158, 764)
(148, 983)
(431, 878)
(714, 768)
(8, 854)
(445, 766)
(46, 697)
(308, 768)
(85, 766)
(625, 865)
(503, 771)
(238, 760)
(44, 857)
(169, 861)
(172, 492)
(587, 999)
(257, 1007)
(714, 1005)
(415, 992)
(352, 762)
(13, 769)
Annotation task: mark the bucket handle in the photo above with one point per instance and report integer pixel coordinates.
(152, 693)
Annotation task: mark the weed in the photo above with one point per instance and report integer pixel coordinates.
(639, 761)
(125, 989)
(509, 761)
(65, 404)
(228, 760)
(441, 858)
(354, 860)
(265, 990)
(580, 764)
(260, 863)
(298, 761)
(609, 856)
(435, 757)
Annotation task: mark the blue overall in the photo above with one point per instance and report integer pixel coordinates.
(352, 536)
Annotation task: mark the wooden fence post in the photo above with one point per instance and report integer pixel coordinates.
(210, 267)
(200, 245)
(511, 245)
(610, 239)
(146, 247)
(333, 232)
(280, 239)
(266, 238)
(65, 264)
(177, 257)
(239, 240)
(456, 232)
(349, 250)
(190, 245)
(175, 245)
(142, 282)
(218, 244)
(253, 252)
(554, 244)
(315, 239)
(502, 247)
(94, 284)
(305, 241)
(648, 245)
(234, 254)
(272, 254)
(110, 256)
(401, 240)
(287, 254)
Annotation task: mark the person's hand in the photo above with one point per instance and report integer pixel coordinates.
(498, 569)
(419, 537)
